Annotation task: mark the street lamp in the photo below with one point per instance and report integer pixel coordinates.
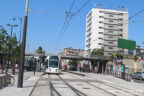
(20, 19)
(12, 26)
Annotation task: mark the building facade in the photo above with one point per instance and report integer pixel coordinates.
(103, 28)
(71, 52)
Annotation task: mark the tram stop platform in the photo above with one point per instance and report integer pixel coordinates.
(29, 82)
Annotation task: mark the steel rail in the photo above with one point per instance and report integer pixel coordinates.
(79, 93)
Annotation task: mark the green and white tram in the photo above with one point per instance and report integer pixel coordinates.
(53, 64)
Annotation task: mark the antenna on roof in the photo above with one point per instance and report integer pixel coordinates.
(110, 4)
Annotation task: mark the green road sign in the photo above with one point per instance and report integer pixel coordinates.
(126, 44)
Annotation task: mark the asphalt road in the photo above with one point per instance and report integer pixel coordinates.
(139, 81)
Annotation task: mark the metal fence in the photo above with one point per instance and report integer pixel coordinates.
(119, 74)
(127, 75)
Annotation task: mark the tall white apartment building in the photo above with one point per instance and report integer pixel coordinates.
(103, 28)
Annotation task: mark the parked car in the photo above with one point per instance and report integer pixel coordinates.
(138, 75)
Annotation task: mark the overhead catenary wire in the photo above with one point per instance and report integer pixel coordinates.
(64, 24)
(137, 13)
(70, 16)
(68, 22)
(81, 7)
(46, 13)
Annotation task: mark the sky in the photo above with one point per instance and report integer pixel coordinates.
(46, 18)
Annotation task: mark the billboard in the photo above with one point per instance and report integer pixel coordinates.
(126, 44)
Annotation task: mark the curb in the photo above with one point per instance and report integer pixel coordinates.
(76, 73)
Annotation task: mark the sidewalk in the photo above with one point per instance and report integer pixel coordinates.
(139, 87)
(28, 84)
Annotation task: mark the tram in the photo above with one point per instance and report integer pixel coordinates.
(53, 64)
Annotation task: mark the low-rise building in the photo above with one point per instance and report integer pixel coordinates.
(71, 52)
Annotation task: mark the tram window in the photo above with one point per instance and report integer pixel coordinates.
(53, 64)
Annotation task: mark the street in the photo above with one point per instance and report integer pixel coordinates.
(68, 84)
(139, 81)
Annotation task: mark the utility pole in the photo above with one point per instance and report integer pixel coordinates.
(21, 70)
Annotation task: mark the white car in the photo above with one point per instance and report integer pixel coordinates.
(138, 75)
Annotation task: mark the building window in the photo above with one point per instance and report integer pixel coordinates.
(110, 20)
(120, 29)
(109, 53)
(110, 31)
(110, 42)
(101, 17)
(110, 36)
(110, 15)
(100, 38)
(121, 35)
(110, 47)
(89, 15)
(120, 24)
(89, 20)
(100, 32)
(100, 44)
(101, 11)
(100, 21)
(89, 29)
(111, 26)
(120, 19)
(100, 27)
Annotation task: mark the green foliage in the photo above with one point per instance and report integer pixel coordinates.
(98, 52)
(4, 40)
(94, 63)
(111, 65)
(135, 58)
(40, 50)
(9, 43)
(72, 62)
(118, 55)
(112, 56)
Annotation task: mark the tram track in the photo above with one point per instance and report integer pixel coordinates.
(35, 85)
(108, 86)
(52, 89)
(77, 92)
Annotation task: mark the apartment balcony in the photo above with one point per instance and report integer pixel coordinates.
(110, 49)
(110, 38)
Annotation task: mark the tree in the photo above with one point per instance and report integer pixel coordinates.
(6, 43)
(15, 52)
(98, 52)
(118, 55)
(135, 58)
(72, 64)
(3, 45)
(4, 38)
(40, 50)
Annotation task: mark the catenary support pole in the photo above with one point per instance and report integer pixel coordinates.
(21, 70)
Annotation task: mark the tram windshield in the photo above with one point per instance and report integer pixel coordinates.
(53, 61)
(53, 64)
